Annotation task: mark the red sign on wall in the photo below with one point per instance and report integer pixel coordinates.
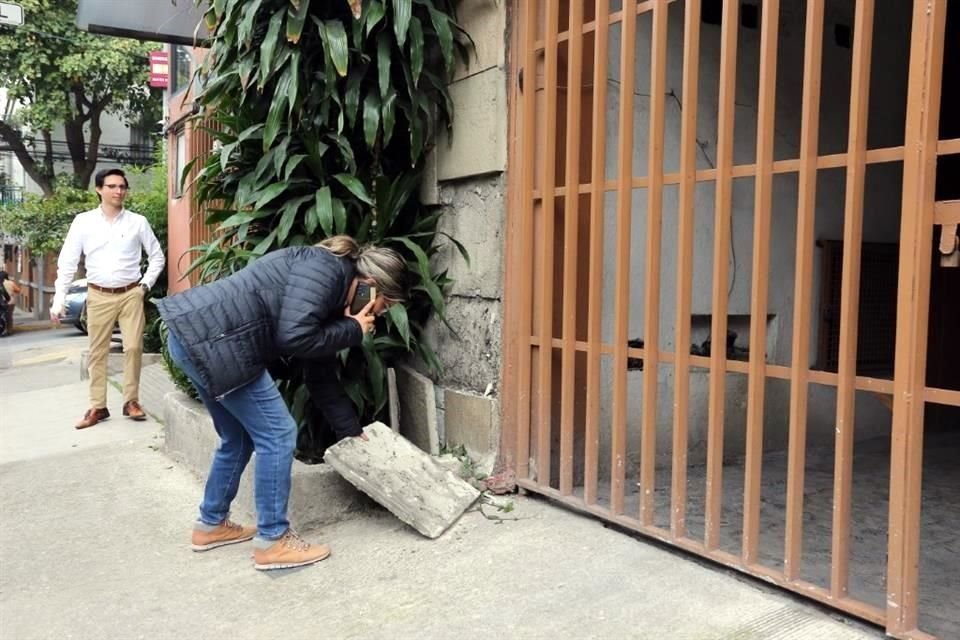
(159, 69)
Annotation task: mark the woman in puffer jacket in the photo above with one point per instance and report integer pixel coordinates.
(294, 302)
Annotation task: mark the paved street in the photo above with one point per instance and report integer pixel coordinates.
(94, 545)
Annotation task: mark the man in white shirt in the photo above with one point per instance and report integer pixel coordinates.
(111, 240)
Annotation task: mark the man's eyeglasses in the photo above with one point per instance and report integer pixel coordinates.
(116, 187)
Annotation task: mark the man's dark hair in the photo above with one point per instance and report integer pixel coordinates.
(102, 175)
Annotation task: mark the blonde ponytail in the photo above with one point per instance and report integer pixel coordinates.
(341, 246)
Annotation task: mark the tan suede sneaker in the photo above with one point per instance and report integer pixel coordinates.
(227, 532)
(288, 552)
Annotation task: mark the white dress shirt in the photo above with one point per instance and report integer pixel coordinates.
(111, 248)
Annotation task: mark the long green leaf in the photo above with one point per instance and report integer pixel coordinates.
(265, 162)
(352, 95)
(388, 342)
(264, 245)
(336, 40)
(280, 154)
(225, 152)
(245, 29)
(376, 374)
(245, 217)
(269, 47)
(462, 249)
(324, 209)
(245, 69)
(268, 194)
(296, 17)
(352, 389)
(354, 186)
(274, 118)
(371, 118)
(416, 141)
(311, 221)
(383, 62)
(423, 267)
(345, 149)
(292, 164)
(373, 15)
(402, 11)
(339, 216)
(429, 357)
(416, 48)
(398, 316)
(293, 88)
(389, 110)
(440, 87)
(289, 216)
(254, 131)
(441, 23)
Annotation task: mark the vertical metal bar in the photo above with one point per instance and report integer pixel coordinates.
(724, 202)
(803, 287)
(516, 259)
(628, 41)
(570, 258)
(545, 280)
(850, 295)
(651, 323)
(688, 184)
(763, 202)
(598, 179)
(525, 295)
(913, 298)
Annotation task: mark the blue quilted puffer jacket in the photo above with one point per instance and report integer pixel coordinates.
(288, 303)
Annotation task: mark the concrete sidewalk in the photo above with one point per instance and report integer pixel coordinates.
(94, 545)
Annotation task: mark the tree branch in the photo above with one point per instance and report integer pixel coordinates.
(48, 156)
(14, 139)
(93, 148)
(81, 101)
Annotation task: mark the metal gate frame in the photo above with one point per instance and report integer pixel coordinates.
(530, 341)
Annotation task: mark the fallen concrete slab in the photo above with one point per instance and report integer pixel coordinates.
(402, 478)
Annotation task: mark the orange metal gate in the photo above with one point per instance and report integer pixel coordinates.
(605, 408)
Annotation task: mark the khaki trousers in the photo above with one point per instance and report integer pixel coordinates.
(104, 310)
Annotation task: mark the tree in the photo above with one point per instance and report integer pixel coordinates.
(58, 74)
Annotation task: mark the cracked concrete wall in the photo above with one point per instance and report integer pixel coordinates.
(465, 177)
(470, 348)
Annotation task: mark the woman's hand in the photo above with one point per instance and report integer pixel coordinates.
(365, 318)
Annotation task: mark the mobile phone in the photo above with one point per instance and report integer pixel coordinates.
(364, 294)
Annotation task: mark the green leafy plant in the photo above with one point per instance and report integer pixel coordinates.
(323, 112)
(180, 379)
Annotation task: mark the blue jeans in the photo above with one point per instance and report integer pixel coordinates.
(251, 418)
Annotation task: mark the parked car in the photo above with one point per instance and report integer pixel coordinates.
(75, 305)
